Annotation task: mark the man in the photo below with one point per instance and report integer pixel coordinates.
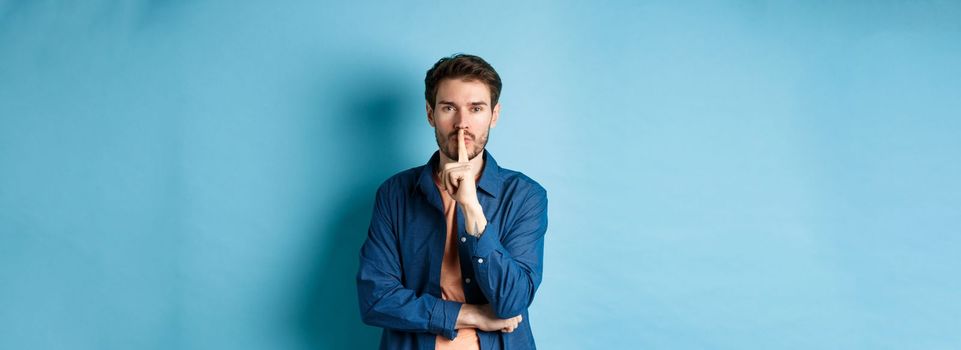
(455, 248)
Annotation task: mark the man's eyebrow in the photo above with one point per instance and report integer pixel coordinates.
(479, 103)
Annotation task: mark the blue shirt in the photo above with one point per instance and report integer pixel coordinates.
(398, 283)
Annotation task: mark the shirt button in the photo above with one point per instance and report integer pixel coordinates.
(480, 260)
(467, 280)
(463, 239)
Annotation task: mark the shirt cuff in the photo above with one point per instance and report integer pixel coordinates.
(443, 318)
(483, 246)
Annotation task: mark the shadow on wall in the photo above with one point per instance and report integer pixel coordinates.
(369, 122)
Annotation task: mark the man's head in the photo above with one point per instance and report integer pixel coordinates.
(462, 93)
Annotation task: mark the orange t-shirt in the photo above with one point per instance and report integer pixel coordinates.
(450, 278)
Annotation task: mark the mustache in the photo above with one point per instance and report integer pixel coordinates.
(467, 135)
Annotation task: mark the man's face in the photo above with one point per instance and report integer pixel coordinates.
(462, 104)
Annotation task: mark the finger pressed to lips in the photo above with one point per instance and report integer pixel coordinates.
(461, 147)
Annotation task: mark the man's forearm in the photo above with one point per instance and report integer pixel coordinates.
(474, 219)
(467, 318)
(481, 317)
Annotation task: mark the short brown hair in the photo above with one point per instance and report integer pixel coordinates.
(462, 66)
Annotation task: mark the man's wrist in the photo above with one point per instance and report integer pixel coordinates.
(467, 318)
(474, 210)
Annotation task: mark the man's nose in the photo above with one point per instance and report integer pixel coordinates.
(460, 121)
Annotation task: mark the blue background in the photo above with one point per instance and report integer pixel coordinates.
(722, 175)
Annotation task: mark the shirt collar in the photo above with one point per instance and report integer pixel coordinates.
(490, 180)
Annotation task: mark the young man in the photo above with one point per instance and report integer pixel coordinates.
(455, 248)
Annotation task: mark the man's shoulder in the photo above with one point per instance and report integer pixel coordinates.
(402, 181)
(516, 181)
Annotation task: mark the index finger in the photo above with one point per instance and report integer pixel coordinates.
(461, 148)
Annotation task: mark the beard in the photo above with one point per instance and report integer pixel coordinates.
(448, 144)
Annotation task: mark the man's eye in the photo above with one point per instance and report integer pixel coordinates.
(478, 109)
(448, 108)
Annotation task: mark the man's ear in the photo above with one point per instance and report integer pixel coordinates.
(496, 114)
(430, 114)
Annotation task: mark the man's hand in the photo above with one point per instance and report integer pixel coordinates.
(458, 177)
(460, 182)
(482, 317)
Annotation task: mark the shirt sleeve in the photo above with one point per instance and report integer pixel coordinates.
(384, 301)
(508, 265)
